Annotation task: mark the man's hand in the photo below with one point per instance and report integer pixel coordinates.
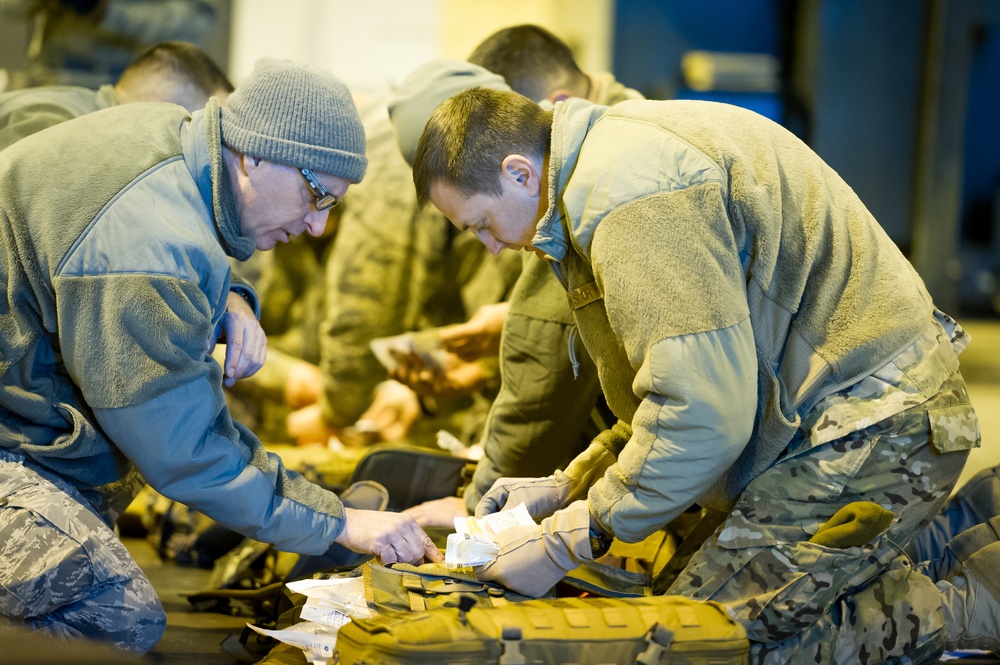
(246, 343)
(392, 412)
(391, 537)
(458, 378)
(479, 337)
(544, 496)
(308, 427)
(303, 384)
(439, 512)
(533, 558)
(540, 496)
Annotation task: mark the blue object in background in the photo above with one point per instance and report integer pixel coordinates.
(768, 105)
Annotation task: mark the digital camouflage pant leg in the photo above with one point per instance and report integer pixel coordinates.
(801, 602)
(64, 571)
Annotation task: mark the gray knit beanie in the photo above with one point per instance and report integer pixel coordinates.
(299, 116)
(421, 92)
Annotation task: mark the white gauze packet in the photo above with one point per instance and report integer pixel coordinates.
(315, 639)
(343, 594)
(473, 543)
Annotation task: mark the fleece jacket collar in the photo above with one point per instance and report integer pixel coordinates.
(203, 155)
(571, 121)
(106, 97)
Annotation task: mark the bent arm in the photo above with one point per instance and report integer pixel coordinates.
(189, 449)
(536, 421)
(138, 347)
(696, 416)
(674, 290)
(367, 273)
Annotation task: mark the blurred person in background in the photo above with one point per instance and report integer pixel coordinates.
(89, 43)
(391, 270)
(175, 72)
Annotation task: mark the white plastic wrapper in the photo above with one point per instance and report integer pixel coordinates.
(474, 540)
(321, 611)
(488, 527)
(465, 551)
(342, 594)
(448, 441)
(315, 639)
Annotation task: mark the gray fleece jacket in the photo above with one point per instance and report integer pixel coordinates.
(723, 278)
(115, 234)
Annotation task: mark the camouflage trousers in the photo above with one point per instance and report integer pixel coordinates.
(64, 571)
(802, 602)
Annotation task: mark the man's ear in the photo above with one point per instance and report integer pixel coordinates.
(559, 95)
(522, 172)
(249, 163)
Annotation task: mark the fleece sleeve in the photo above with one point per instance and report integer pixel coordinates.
(669, 270)
(189, 450)
(30, 120)
(137, 347)
(696, 416)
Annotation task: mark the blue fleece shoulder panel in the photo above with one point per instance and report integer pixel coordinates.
(157, 225)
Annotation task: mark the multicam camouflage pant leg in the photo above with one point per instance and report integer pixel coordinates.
(806, 603)
(64, 571)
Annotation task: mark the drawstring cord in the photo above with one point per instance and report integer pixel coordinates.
(572, 353)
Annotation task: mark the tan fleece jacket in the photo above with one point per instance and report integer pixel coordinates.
(724, 277)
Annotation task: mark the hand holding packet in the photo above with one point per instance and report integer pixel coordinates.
(423, 347)
(473, 543)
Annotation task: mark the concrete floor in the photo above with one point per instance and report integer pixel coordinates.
(981, 369)
(191, 636)
(194, 636)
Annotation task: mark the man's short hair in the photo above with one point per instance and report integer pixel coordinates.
(182, 61)
(469, 135)
(531, 59)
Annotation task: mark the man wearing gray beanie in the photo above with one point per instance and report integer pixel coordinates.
(116, 234)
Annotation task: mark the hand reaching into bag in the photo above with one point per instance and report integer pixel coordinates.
(533, 559)
(391, 537)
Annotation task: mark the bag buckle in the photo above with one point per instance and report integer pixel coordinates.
(510, 636)
(658, 640)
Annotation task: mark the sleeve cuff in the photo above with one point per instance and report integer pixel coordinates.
(245, 291)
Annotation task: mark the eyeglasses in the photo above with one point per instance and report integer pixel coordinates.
(324, 199)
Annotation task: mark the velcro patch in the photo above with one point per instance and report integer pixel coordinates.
(584, 295)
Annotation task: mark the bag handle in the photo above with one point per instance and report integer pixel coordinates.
(418, 589)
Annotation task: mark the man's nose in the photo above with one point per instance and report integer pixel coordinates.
(316, 222)
(493, 246)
